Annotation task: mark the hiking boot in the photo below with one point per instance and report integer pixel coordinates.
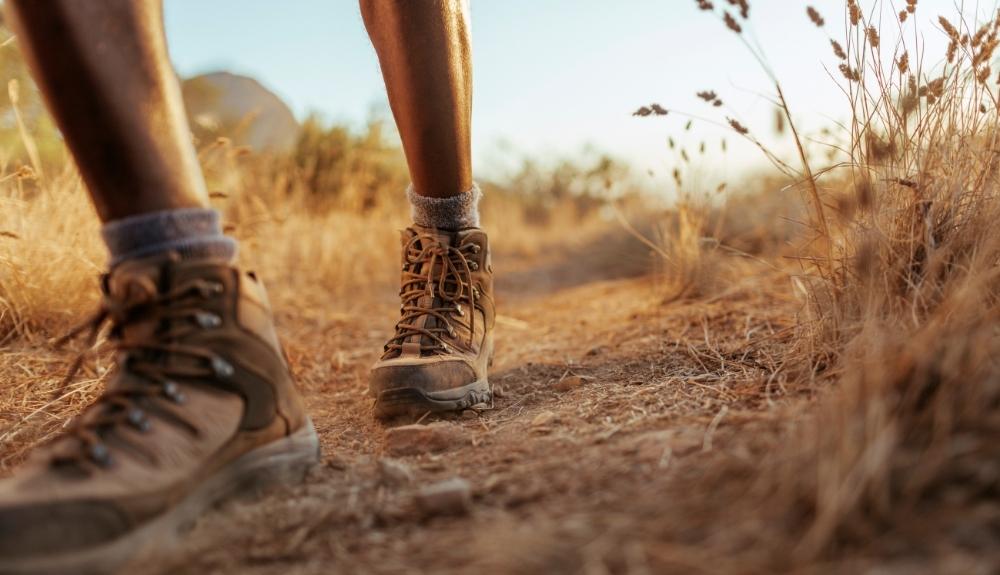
(201, 407)
(438, 358)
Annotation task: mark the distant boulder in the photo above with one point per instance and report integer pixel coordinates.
(221, 104)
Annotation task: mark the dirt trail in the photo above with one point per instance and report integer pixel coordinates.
(563, 477)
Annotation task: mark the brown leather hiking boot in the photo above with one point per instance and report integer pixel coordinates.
(438, 358)
(201, 406)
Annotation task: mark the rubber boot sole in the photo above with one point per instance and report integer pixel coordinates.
(404, 400)
(282, 462)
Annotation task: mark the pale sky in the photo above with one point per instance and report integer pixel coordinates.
(552, 76)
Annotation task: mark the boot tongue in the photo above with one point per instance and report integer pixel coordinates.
(133, 283)
(442, 237)
(412, 345)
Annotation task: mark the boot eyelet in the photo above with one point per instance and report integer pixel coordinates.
(208, 320)
(473, 266)
(100, 454)
(173, 392)
(210, 288)
(459, 310)
(222, 368)
(137, 419)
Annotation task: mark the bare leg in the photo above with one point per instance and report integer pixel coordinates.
(105, 73)
(425, 54)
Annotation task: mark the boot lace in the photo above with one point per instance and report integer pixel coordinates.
(444, 275)
(176, 314)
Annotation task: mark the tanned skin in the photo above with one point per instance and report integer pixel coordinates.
(105, 73)
(424, 49)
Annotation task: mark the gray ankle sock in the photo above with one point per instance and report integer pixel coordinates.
(194, 233)
(454, 213)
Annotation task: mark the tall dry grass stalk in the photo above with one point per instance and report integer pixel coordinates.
(683, 251)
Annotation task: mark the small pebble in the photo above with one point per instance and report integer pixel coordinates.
(568, 383)
(394, 473)
(337, 462)
(450, 497)
(544, 418)
(417, 439)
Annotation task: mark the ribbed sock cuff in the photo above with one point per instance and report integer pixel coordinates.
(454, 213)
(193, 233)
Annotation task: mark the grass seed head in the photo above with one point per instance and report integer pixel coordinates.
(849, 73)
(815, 17)
(983, 75)
(949, 29)
(838, 50)
(977, 39)
(651, 110)
(711, 97)
(854, 11)
(740, 128)
(873, 37)
(743, 6)
(731, 23)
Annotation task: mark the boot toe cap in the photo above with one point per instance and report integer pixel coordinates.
(426, 376)
(41, 530)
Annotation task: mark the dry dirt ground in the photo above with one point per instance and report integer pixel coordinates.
(612, 406)
(605, 396)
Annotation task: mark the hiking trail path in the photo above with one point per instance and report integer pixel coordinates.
(611, 406)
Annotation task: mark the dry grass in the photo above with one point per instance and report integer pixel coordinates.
(895, 259)
(901, 279)
(905, 311)
(49, 263)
